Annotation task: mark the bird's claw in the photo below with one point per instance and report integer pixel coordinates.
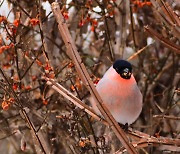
(124, 127)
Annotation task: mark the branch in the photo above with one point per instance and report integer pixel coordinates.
(138, 52)
(145, 140)
(171, 117)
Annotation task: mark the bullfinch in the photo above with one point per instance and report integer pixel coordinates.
(120, 93)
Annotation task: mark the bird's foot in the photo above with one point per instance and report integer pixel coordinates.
(124, 127)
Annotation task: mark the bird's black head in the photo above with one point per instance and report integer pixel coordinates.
(123, 68)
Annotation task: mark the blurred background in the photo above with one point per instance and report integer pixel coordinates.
(145, 32)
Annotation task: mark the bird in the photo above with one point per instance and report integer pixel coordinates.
(120, 93)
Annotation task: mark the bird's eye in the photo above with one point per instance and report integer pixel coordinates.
(125, 73)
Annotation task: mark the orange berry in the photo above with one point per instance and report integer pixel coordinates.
(143, 4)
(34, 77)
(45, 102)
(70, 65)
(96, 80)
(16, 78)
(22, 86)
(78, 84)
(109, 6)
(39, 62)
(65, 15)
(2, 49)
(82, 144)
(11, 45)
(1, 40)
(6, 66)
(5, 105)
(88, 18)
(81, 23)
(148, 3)
(11, 100)
(2, 18)
(51, 75)
(94, 22)
(92, 28)
(140, 5)
(112, 13)
(72, 88)
(34, 21)
(15, 86)
(28, 87)
(47, 68)
(16, 22)
(13, 30)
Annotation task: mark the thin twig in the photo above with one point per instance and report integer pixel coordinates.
(171, 117)
(138, 52)
(143, 140)
(146, 138)
(132, 25)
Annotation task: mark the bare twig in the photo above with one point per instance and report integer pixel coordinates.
(144, 140)
(171, 117)
(11, 134)
(132, 25)
(148, 139)
(138, 52)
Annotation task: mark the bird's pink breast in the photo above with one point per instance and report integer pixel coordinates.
(121, 96)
